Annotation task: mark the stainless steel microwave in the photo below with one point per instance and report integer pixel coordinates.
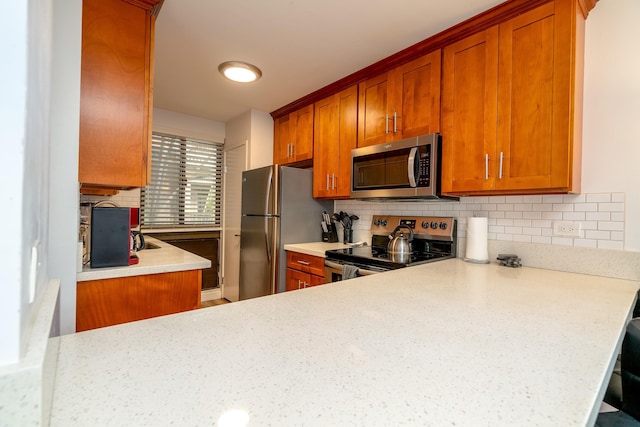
(405, 169)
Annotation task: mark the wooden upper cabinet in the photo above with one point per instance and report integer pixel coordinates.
(512, 107)
(401, 103)
(116, 94)
(293, 137)
(470, 78)
(335, 135)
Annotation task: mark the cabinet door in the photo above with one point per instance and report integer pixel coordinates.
(532, 118)
(114, 94)
(325, 147)
(373, 116)
(335, 135)
(109, 302)
(296, 279)
(282, 140)
(469, 109)
(348, 137)
(416, 97)
(303, 140)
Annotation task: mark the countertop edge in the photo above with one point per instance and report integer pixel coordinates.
(165, 259)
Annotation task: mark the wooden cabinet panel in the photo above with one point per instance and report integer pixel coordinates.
(511, 106)
(469, 109)
(401, 103)
(109, 302)
(116, 94)
(335, 135)
(293, 137)
(303, 271)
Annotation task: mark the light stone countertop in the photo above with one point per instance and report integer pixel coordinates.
(314, 248)
(445, 343)
(165, 259)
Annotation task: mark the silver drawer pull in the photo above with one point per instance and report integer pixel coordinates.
(303, 262)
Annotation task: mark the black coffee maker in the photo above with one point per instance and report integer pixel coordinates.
(113, 243)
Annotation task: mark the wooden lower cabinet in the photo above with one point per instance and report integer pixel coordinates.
(304, 271)
(107, 302)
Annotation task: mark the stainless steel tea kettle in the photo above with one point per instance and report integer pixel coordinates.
(400, 245)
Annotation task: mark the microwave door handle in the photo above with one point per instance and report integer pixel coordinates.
(411, 167)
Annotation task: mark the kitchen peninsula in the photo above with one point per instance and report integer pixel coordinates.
(166, 280)
(446, 343)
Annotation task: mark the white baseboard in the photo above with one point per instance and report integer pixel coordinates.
(210, 294)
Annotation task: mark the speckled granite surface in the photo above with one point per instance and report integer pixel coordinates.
(447, 343)
(165, 259)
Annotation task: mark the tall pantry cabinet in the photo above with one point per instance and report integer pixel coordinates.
(512, 105)
(116, 95)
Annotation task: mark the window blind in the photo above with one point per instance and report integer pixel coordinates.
(186, 183)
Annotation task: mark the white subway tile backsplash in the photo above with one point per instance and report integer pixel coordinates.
(518, 218)
(573, 216)
(599, 197)
(611, 207)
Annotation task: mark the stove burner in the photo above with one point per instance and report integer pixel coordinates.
(435, 246)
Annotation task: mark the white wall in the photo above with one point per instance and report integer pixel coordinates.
(611, 131)
(63, 184)
(173, 123)
(254, 128)
(25, 34)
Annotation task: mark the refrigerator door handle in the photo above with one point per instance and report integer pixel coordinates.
(266, 238)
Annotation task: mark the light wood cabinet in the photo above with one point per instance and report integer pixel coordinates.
(107, 302)
(511, 105)
(401, 103)
(303, 271)
(335, 135)
(293, 137)
(116, 95)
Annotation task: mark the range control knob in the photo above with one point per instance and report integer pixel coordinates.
(425, 224)
(384, 222)
(376, 222)
(434, 224)
(443, 225)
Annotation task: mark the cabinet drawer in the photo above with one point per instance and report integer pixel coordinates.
(307, 263)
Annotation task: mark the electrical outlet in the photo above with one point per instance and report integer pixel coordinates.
(566, 229)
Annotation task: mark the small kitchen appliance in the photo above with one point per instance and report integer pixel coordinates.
(405, 169)
(111, 238)
(432, 239)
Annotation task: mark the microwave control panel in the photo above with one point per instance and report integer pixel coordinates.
(424, 167)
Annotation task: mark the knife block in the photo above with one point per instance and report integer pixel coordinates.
(331, 236)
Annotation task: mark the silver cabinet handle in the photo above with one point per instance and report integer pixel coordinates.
(500, 171)
(299, 283)
(303, 262)
(293, 149)
(395, 122)
(486, 167)
(327, 186)
(386, 123)
(333, 181)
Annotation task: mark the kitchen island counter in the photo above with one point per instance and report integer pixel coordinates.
(446, 343)
(165, 258)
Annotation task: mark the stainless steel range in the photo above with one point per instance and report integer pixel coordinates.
(434, 239)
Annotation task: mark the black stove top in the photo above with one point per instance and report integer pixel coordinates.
(432, 241)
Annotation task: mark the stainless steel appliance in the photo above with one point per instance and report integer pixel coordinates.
(277, 208)
(405, 169)
(434, 239)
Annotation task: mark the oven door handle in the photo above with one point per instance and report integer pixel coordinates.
(361, 271)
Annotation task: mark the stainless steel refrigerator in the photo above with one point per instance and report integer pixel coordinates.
(277, 208)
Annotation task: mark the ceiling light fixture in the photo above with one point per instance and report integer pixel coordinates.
(239, 71)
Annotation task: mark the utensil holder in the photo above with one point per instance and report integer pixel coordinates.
(348, 235)
(331, 236)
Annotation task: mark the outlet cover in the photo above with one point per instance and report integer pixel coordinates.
(566, 229)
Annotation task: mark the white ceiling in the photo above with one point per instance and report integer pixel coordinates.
(300, 46)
